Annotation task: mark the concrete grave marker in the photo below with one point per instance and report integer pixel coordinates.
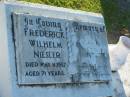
(48, 44)
(53, 49)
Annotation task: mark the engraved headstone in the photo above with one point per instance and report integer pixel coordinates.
(52, 52)
(50, 46)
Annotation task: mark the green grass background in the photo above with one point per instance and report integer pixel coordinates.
(117, 15)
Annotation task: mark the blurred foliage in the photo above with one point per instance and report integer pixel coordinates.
(87, 5)
(116, 17)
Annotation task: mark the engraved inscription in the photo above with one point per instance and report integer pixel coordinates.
(51, 50)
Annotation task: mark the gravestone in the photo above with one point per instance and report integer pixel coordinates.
(49, 51)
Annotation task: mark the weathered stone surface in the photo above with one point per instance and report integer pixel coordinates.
(50, 50)
(117, 85)
(120, 56)
(118, 53)
(124, 72)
